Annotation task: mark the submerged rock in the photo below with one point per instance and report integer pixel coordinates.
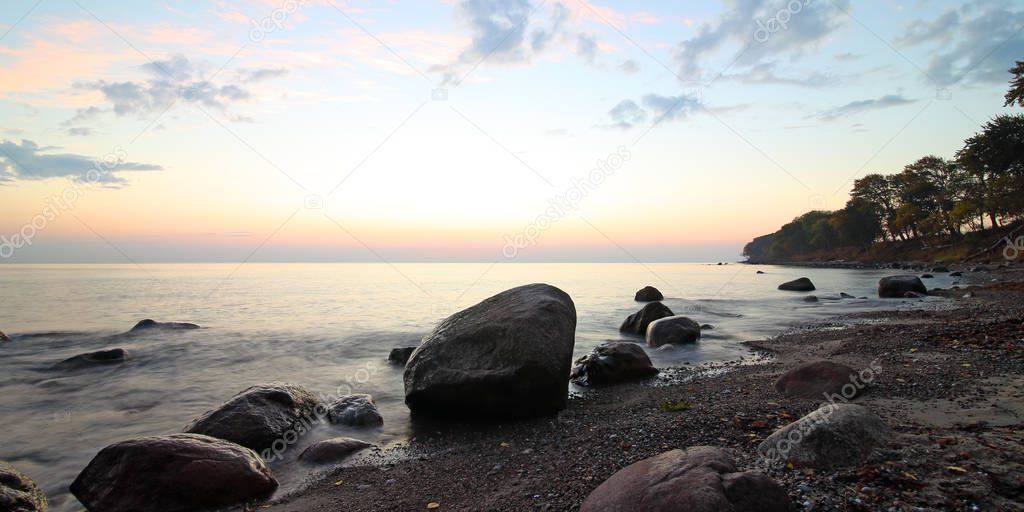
(698, 479)
(898, 286)
(400, 355)
(612, 362)
(637, 322)
(18, 493)
(355, 411)
(926, 276)
(817, 380)
(802, 284)
(759, 272)
(3, 337)
(672, 330)
(175, 473)
(98, 358)
(148, 324)
(506, 356)
(811, 298)
(332, 450)
(955, 274)
(647, 294)
(258, 416)
(940, 269)
(844, 295)
(835, 435)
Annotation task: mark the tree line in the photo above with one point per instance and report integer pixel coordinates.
(981, 187)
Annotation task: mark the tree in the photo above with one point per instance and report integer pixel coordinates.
(858, 224)
(1016, 93)
(881, 193)
(995, 158)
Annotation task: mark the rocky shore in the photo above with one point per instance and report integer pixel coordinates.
(947, 383)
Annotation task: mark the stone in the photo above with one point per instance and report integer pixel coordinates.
(647, 294)
(149, 324)
(92, 359)
(258, 416)
(834, 435)
(637, 322)
(674, 330)
(611, 363)
(354, 411)
(817, 380)
(802, 284)
(18, 493)
(332, 450)
(3, 337)
(898, 286)
(400, 355)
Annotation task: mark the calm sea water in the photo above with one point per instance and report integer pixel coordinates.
(319, 325)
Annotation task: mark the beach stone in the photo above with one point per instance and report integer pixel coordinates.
(674, 330)
(332, 450)
(257, 416)
(18, 493)
(802, 284)
(509, 355)
(816, 380)
(98, 358)
(174, 473)
(3, 337)
(834, 435)
(647, 294)
(400, 355)
(148, 324)
(940, 269)
(844, 295)
(956, 274)
(355, 411)
(759, 272)
(698, 479)
(637, 322)
(898, 286)
(707, 327)
(926, 276)
(612, 362)
(811, 298)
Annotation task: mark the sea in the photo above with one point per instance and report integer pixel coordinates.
(328, 327)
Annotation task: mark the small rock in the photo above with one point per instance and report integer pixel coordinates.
(637, 322)
(818, 380)
(149, 324)
(98, 358)
(354, 410)
(612, 362)
(333, 450)
(955, 274)
(3, 337)
(844, 295)
(672, 330)
(259, 415)
(759, 272)
(647, 294)
(798, 285)
(811, 298)
(18, 493)
(926, 276)
(834, 435)
(400, 355)
(898, 286)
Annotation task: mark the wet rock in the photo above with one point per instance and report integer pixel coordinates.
(798, 285)
(818, 380)
(940, 269)
(647, 294)
(355, 411)
(913, 295)
(955, 274)
(400, 355)
(3, 337)
(844, 295)
(175, 473)
(927, 276)
(672, 330)
(509, 355)
(834, 435)
(612, 362)
(258, 416)
(637, 322)
(18, 493)
(811, 298)
(332, 450)
(707, 327)
(91, 359)
(759, 272)
(698, 479)
(898, 286)
(149, 324)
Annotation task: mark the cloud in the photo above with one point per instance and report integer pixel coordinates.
(79, 131)
(671, 108)
(629, 67)
(541, 37)
(498, 28)
(856, 107)
(250, 76)
(765, 73)
(586, 48)
(29, 161)
(626, 115)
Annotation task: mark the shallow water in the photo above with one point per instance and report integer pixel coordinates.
(322, 326)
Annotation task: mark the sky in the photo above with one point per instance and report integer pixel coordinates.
(469, 130)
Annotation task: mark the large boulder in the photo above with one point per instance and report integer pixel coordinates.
(258, 416)
(400, 355)
(647, 294)
(149, 324)
(897, 287)
(332, 450)
(637, 322)
(175, 473)
(507, 356)
(698, 479)
(798, 285)
(18, 493)
(817, 380)
(91, 359)
(612, 362)
(674, 330)
(355, 411)
(834, 435)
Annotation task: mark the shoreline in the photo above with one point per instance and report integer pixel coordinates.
(963, 362)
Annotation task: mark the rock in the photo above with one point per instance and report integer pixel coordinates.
(979, 268)
(898, 286)
(674, 330)
(940, 269)
(355, 411)
(811, 298)
(175, 473)
(759, 272)
(637, 322)
(707, 327)
(647, 294)
(148, 324)
(18, 493)
(698, 479)
(400, 355)
(817, 380)
(955, 274)
(844, 295)
(612, 362)
(506, 356)
(258, 416)
(98, 358)
(834, 435)
(798, 285)
(332, 450)
(913, 295)
(3, 337)
(927, 276)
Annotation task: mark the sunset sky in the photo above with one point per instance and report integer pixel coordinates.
(452, 130)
